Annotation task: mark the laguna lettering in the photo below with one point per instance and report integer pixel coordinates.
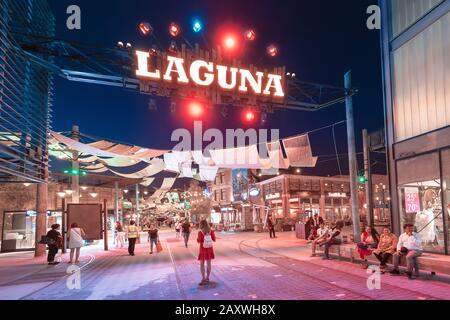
(205, 73)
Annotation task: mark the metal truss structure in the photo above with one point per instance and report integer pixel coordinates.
(30, 56)
(115, 67)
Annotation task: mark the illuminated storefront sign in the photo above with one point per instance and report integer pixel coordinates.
(203, 73)
(337, 195)
(273, 196)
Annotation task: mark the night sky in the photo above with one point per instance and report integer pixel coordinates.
(319, 40)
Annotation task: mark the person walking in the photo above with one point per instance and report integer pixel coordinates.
(271, 227)
(120, 235)
(186, 229)
(177, 229)
(75, 236)
(55, 236)
(153, 236)
(133, 234)
(206, 239)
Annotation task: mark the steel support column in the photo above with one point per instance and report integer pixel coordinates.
(352, 162)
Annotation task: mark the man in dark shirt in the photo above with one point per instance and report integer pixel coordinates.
(153, 237)
(186, 230)
(271, 227)
(53, 248)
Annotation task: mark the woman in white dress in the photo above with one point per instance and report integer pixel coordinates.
(76, 241)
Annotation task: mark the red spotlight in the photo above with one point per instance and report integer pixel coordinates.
(145, 28)
(249, 116)
(195, 109)
(174, 29)
(250, 35)
(272, 50)
(230, 42)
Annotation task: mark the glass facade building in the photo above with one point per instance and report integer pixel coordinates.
(25, 89)
(415, 40)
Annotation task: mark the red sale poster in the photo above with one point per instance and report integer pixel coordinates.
(412, 200)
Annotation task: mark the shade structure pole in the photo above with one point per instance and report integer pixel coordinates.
(352, 161)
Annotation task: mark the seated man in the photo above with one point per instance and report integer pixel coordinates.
(322, 235)
(409, 245)
(335, 238)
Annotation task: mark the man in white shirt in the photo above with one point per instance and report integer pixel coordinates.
(322, 234)
(409, 245)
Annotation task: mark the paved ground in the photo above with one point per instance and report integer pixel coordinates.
(247, 266)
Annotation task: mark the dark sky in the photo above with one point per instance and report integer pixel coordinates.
(319, 40)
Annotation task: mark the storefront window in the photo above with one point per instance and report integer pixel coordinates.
(446, 188)
(420, 199)
(18, 231)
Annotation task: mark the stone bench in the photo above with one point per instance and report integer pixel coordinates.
(432, 263)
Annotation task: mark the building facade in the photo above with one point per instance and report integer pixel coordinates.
(415, 43)
(25, 90)
(298, 197)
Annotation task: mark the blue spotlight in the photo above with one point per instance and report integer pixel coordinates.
(197, 26)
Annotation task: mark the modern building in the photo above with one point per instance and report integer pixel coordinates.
(25, 90)
(415, 43)
(230, 200)
(297, 197)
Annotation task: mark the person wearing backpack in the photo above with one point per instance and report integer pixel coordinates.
(206, 239)
(186, 229)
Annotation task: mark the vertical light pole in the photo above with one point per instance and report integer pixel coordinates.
(137, 205)
(116, 201)
(352, 163)
(368, 175)
(75, 166)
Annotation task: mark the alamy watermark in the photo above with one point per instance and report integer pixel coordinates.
(374, 20)
(73, 281)
(238, 147)
(374, 280)
(73, 22)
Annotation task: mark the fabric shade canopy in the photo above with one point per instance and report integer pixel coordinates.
(104, 156)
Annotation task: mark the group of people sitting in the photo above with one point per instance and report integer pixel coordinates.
(383, 247)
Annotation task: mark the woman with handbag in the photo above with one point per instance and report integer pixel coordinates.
(76, 237)
(205, 238)
(54, 238)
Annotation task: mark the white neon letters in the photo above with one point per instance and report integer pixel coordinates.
(222, 77)
(178, 63)
(255, 84)
(195, 72)
(142, 70)
(205, 73)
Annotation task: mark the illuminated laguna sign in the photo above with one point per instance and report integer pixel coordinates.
(205, 74)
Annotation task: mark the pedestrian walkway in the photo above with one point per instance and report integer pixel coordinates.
(247, 266)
